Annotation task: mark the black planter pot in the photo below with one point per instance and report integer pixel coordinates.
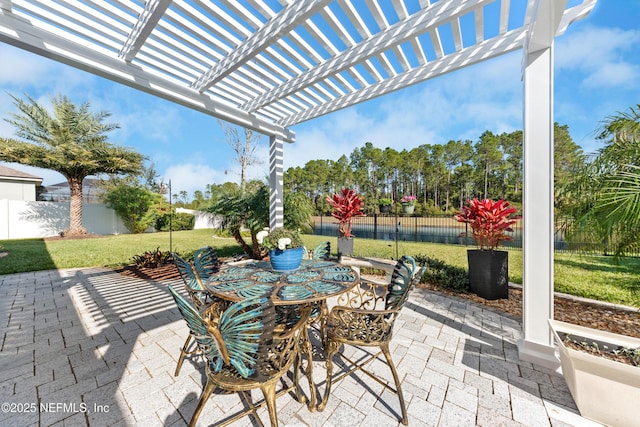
(345, 246)
(385, 208)
(489, 273)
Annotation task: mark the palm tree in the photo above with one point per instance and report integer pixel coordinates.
(604, 196)
(618, 208)
(250, 211)
(71, 141)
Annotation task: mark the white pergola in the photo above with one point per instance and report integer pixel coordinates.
(270, 64)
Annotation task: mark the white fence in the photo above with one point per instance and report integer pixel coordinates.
(26, 220)
(202, 219)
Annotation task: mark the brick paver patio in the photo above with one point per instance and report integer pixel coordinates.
(92, 347)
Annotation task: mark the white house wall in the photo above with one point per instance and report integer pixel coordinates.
(18, 190)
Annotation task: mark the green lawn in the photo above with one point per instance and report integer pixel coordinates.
(587, 276)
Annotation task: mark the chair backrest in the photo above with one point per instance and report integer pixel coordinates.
(403, 279)
(322, 251)
(206, 262)
(187, 272)
(192, 282)
(238, 337)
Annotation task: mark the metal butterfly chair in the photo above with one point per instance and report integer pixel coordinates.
(322, 251)
(206, 262)
(244, 349)
(365, 319)
(199, 296)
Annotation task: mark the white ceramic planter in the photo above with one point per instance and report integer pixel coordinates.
(604, 390)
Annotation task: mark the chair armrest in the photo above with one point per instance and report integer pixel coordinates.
(375, 263)
(283, 332)
(366, 326)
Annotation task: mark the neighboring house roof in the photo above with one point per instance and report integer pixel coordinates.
(86, 183)
(60, 191)
(13, 174)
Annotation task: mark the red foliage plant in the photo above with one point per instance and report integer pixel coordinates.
(346, 205)
(489, 221)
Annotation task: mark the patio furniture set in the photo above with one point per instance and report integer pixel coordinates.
(251, 325)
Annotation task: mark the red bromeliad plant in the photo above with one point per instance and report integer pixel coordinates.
(489, 221)
(346, 205)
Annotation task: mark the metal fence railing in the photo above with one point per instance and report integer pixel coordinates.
(437, 229)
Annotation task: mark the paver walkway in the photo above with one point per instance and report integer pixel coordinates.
(91, 347)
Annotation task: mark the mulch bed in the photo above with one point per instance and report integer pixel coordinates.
(577, 312)
(166, 272)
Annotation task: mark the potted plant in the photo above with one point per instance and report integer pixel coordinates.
(384, 204)
(602, 372)
(346, 204)
(285, 248)
(488, 267)
(408, 204)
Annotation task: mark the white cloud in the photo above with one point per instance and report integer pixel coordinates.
(25, 68)
(190, 177)
(605, 55)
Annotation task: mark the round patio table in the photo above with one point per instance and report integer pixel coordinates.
(313, 281)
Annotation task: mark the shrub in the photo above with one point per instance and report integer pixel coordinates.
(133, 205)
(346, 204)
(152, 259)
(489, 221)
(180, 221)
(443, 275)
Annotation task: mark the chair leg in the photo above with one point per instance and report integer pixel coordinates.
(331, 349)
(246, 395)
(296, 379)
(387, 354)
(208, 389)
(269, 392)
(183, 352)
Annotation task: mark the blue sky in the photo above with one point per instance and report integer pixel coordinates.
(597, 73)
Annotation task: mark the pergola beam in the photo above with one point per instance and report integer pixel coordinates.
(5, 5)
(287, 19)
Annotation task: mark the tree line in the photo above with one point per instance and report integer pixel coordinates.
(441, 176)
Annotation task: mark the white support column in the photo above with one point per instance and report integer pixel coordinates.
(276, 196)
(537, 343)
